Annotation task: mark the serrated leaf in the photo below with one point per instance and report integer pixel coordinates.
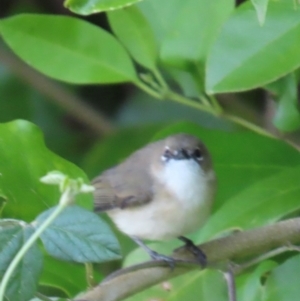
(240, 61)
(24, 159)
(133, 30)
(68, 49)
(87, 7)
(23, 283)
(79, 235)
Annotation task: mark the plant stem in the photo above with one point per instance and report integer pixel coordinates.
(64, 200)
(89, 274)
(160, 79)
(186, 101)
(251, 126)
(148, 90)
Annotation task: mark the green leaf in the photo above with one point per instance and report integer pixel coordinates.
(194, 27)
(287, 117)
(249, 285)
(261, 10)
(283, 282)
(264, 202)
(24, 159)
(240, 61)
(68, 49)
(79, 235)
(23, 283)
(87, 7)
(133, 30)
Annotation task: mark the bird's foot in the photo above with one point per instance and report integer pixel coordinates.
(198, 253)
(167, 259)
(154, 255)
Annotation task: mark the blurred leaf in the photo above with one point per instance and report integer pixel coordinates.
(283, 283)
(287, 117)
(65, 276)
(115, 148)
(20, 101)
(240, 61)
(133, 30)
(87, 53)
(266, 201)
(193, 286)
(23, 282)
(24, 159)
(249, 285)
(87, 7)
(261, 10)
(79, 235)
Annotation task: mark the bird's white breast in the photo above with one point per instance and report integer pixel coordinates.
(180, 207)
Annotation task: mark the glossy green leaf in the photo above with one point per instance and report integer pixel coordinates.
(194, 27)
(266, 201)
(283, 283)
(193, 286)
(68, 49)
(261, 10)
(23, 283)
(133, 30)
(287, 117)
(87, 7)
(24, 159)
(79, 235)
(246, 55)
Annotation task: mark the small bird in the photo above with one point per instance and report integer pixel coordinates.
(162, 191)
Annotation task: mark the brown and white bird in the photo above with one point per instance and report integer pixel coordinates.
(163, 191)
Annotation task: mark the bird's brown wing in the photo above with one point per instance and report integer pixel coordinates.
(122, 187)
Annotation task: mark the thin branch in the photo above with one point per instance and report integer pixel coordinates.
(239, 245)
(57, 94)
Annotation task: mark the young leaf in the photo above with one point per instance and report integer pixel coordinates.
(23, 283)
(24, 159)
(287, 117)
(246, 55)
(79, 235)
(68, 49)
(133, 30)
(87, 7)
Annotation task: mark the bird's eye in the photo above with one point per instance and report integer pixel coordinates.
(167, 153)
(198, 154)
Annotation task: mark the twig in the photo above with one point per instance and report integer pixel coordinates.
(236, 246)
